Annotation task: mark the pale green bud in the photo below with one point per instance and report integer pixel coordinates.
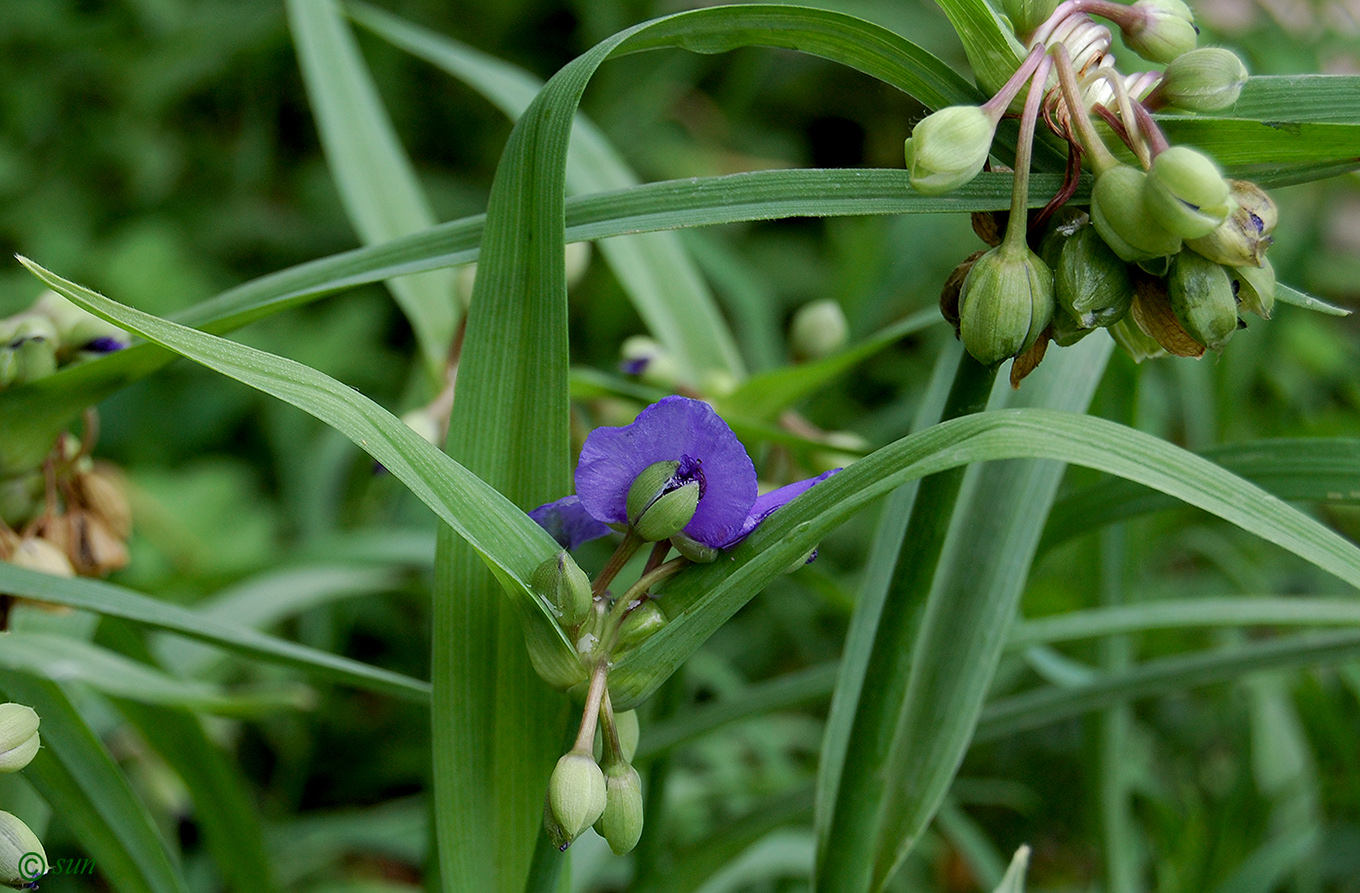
(948, 148)
(1202, 298)
(76, 327)
(629, 730)
(658, 505)
(1065, 330)
(1162, 30)
(621, 822)
(641, 623)
(1120, 215)
(39, 555)
(1006, 303)
(649, 361)
(34, 358)
(1136, 343)
(576, 793)
(819, 329)
(18, 736)
(1027, 15)
(1186, 193)
(1256, 288)
(23, 861)
(1091, 283)
(1203, 80)
(565, 587)
(1242, 239)
(699, 553)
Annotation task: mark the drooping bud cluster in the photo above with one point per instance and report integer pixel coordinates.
(22, 858)
(52, 333)
(1169, 252)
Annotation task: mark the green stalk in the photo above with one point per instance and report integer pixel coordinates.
(845, 859)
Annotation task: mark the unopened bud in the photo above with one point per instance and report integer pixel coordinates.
(641, 623)
(576, 793)
(819, 329)
(663, 497)
(648, 360)
(1242, 239)
(1027, 15)
(1091, 283)
(34, 358)
(1006, 303)
(1202, 298)
(1256, 288)
(565, 587)
(948, 148)
(1161, 31)
(1186, 193)
(18, 736)
(1136, 343)
(101, 491)
(699, 553)
(94, 549)
(1064, 328)
(802, 561)
(1203, 80)
(1121, 216)
(621, 822)
(626, 724)
(23, 861)
(36, 554)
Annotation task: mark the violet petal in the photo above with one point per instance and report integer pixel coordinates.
(776, 499)
(567, 521)
(674, 429)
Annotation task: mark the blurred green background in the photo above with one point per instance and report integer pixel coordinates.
(162, 151)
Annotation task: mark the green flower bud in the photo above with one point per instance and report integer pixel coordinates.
(1186, 193)
(1006, 303)
(1256, 288)
(18, 736)
(648, 360)
(819, 329)
(1064, 328)
(621, 822)
(802, 561)
(1203, 80)
(576, 793)
(1242, 239)
(75, 326)
(1121, 216)
(34, 358)
(641, 622)
(699, 553)
(1090, 282)
(1027, 15)
(22, 857)
(626, 724)
(565, 587)
(1162, 30)
(660, 503)
(1202, 299)
(21, 496)
(1136, 343)
(948, 148)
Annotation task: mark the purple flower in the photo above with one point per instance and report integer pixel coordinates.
(567, 521)
(680, 430)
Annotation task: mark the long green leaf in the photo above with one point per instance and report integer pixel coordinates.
(77, 777)
(654, 269)
(64, 659)
(993, 52)
(114, 601)
(377, 183)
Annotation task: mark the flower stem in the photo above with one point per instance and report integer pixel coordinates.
(585, 738)
(626, 549)
(635, 595)
(1101, 157)
(613, 748)
(1017, 228)
(996, 107)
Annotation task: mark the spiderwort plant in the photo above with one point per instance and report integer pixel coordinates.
(676, 477)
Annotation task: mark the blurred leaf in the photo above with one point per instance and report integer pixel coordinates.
(114, 601)
(1014, 881)
(64, 659)
(377, 183)
(77, 777)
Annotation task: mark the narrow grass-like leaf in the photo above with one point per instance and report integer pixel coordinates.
(765, 396)
(1308, 302)
(993, 52)
(77, 777)
(1281, 611)
(114, 601)
(377, 183)
(1155, 677)
(64, 659)
(654, 270)
(1238, 141)
(1331, 98)
(1324, 470)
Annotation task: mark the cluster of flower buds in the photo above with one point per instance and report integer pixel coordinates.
(68, 518)
(1169, 252)
(676, 478)
(53, 332)
(22, 858)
